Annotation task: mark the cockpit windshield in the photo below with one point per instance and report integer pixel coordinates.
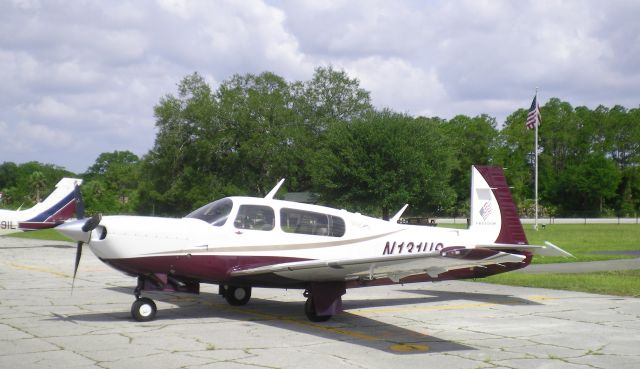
(215, 213)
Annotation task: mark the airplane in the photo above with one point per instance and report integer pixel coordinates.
(243, 242)
(59, 206)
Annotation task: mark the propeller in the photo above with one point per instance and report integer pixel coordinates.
(80, 229)
(88, 226)
(79, 202)
(79, 215)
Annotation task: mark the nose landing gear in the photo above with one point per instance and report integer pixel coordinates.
(143, 309)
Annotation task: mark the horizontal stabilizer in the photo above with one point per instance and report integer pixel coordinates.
(548, 250)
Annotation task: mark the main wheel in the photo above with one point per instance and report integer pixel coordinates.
(143, 309)
(237, 296)
(310, 312)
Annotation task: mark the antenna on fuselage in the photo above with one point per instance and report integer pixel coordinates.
(273, 192)
(396, 217)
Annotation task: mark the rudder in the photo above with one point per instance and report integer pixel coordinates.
(487, 193)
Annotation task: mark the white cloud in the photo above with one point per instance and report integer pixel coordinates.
(396, 84)
(87, 74)
(177, 7)
(51, 107)
(26, 137)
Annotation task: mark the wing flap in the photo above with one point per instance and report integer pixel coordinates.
(391, 266)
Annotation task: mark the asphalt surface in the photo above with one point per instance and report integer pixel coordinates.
(438, 325)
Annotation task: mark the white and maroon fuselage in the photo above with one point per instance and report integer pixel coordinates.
(210, 247)
(246, 241)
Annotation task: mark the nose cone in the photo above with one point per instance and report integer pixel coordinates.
(73, 230)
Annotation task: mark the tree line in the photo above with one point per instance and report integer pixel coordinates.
(324, 136)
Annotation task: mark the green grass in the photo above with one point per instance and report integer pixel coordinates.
(582, 240)
(449, 225)
(619, 282)
(43, 234)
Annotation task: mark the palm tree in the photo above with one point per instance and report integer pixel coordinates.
(38, 182)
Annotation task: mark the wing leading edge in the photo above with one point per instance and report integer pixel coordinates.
(394, 267)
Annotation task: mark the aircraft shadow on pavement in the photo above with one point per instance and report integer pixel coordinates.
(489, 298)
(347, 327)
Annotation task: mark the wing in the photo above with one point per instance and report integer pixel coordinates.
(394, 267)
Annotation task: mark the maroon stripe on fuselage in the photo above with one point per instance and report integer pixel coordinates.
(205, 268)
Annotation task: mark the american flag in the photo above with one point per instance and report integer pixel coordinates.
(533, 118)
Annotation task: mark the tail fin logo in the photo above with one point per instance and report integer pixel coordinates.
(486, 210)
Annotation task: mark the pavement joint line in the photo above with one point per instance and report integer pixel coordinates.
(33, 268)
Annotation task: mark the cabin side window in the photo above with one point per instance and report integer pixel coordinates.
(256, 217)
(307, 222)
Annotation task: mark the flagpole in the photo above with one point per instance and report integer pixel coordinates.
(535, 226)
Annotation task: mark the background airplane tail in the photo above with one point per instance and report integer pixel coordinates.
(59, 206)
(493, 213)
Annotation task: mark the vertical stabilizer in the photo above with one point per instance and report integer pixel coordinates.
(493, 213)
(59, 206)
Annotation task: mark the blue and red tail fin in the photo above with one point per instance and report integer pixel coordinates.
(493, 212)
(59, 206)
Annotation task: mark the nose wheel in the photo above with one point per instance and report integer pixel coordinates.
(143, 309)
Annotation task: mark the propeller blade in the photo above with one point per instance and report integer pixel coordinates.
(75, 268)
(92, 223)
(79, 203)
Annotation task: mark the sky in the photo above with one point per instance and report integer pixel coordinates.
(79, 78)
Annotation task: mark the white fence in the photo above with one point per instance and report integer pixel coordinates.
(554, 220)
(581, 221)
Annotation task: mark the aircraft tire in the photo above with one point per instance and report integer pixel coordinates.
(310, 312)
(143, 309)
(237, 296)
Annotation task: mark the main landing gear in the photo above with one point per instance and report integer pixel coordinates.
(324, 300)
(236, 296)
(310, 309)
